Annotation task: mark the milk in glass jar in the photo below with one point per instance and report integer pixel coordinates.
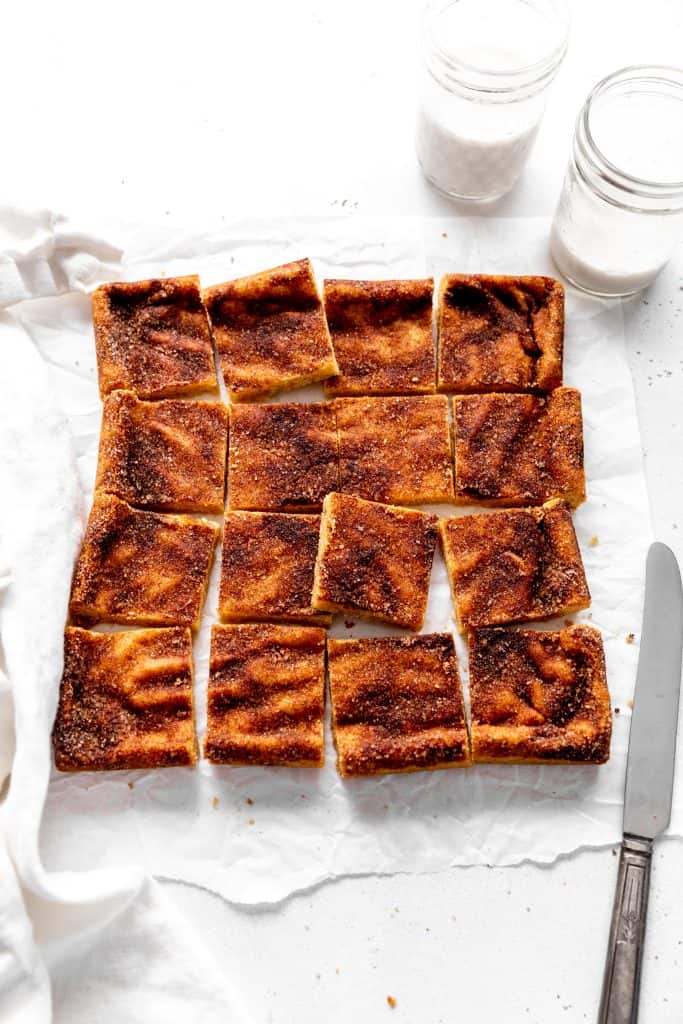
(620, 213)
(487, 66)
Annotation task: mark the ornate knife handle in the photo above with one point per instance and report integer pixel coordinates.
(621, 984)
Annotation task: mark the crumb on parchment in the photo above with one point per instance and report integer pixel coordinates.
(630, 638)
(629, 703)
(251, 821)
(617, 711)
(250, 801)
(215, 802)
(391, 1001)
(594, 541)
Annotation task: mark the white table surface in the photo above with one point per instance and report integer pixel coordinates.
(170, 112)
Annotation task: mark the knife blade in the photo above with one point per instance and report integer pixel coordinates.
(649, 780)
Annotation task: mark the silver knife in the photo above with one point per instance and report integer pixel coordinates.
(649, 780)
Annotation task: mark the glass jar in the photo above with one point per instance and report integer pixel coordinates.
(620, 213)
(487, 65)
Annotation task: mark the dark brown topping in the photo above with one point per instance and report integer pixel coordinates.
(140, 567)
(153, 338)
(539, 695)
(510, 566)
(395, 449)
(267, 570)
(397, 704)
(382, 336)
(519, 449)
(270, 331)
(126, 700)
(500, 333)
(282, 457)
(168, 455)
(266, 695)
(374, 560)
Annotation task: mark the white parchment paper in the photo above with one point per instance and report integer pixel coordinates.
(255, 835)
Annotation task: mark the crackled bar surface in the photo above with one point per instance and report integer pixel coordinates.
(395, 450)
(374, 560)
(519, 449)
(539, 696)
(267, 568)
(397, 704)
(283, 458)
(498, 333)
(266, 695)
(168, 455)
(514, 565)
(152, 337)
(270, 331)
(141, 567)
(382, 336)
(125, 701)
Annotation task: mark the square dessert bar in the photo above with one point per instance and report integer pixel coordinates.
(396, 450)
(267, 569)
(141, 567)
(168, 455)
(152, 337)
(283, 458)
(270, 331)
(519, 449)
(499, 333)
(266, 695)
(382, 336)
(514, 565)
(126, 701)
(539, 696)
(374, 560)
(397, 704)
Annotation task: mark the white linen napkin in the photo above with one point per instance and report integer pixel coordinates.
(116, 948)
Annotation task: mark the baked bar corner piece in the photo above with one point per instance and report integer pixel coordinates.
(141, 567)
(267, 568)
(514, 565)
(266, 695)
(517, 450)
(125, 701)
(382, 336)
(283, 457)
(499, 333)
(152, 337)
(397, 704)
(270, 331)
(539, 697)
(396, 450)
(167, 455)
(374, 560)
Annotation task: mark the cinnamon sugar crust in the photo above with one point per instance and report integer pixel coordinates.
(152, 338)
(382, 336)
(267, 568)
(395, 450)
(397, 704)
(539, 696)
(126, 701)
(168, 455)
(519, 449)
(282, 457)
(374, 560)
(499, 333)
(514, 565)
(266, 695)
(140, 567)
(270, 331)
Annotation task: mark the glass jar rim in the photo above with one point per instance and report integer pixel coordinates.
(607, 170)
(526, 78)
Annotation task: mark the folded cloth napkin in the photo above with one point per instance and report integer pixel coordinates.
(94, 946)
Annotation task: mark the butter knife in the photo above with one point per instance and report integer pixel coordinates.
(649, 780)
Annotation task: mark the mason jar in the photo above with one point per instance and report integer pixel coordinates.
(486, 68)
(620, 212)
